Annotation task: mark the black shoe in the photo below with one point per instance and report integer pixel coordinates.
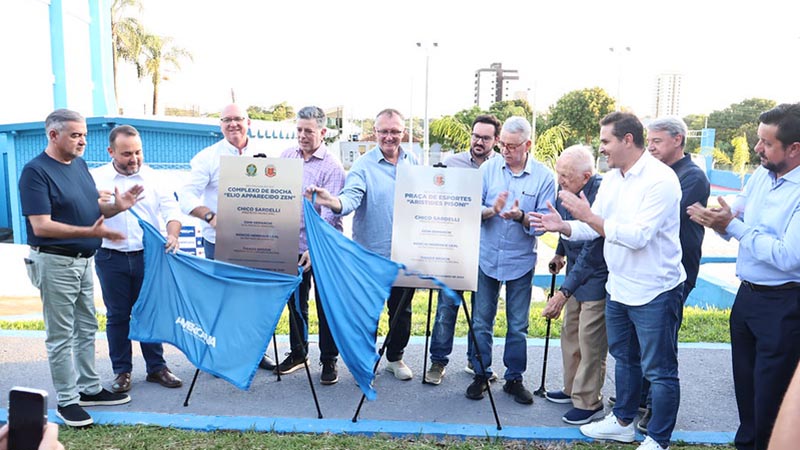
(641, 425)
(74, 416)
(291, 363)
(267, 363)
(329, 373)
(477, 388)
(517, 389)
(103, 398)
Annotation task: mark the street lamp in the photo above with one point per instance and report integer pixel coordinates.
(619, 72)
(426, 145)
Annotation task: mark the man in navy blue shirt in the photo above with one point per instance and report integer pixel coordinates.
(65, 227)
(584, 343)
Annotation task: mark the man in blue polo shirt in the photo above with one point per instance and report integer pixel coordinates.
(369, 191)
(765, 318)
(65, 227)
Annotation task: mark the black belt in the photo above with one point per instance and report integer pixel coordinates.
(764, 288)
(131, 253)
(61, 251)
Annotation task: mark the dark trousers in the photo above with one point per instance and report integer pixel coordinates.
(298, 334)
(765, 350)
(400, 333)
(121, 275)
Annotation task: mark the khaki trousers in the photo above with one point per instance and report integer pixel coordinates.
(583, 349)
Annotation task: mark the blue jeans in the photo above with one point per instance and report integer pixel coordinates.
(209, 247)
(298, 335)
(121, 275)
(518, 302)
(445, 327)
(642, 340)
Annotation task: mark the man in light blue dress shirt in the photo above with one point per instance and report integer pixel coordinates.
(369, 191)
(765, 318)
(512, 186)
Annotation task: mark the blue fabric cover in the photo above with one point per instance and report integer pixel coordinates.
(221, 316)
(353, 284)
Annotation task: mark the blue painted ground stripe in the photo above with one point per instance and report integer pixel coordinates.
(416, 340)
(391, 428)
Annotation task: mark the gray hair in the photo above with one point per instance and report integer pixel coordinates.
(389, 112)
(673, 125)
(518, 125)
(58, 118)
(579, 157)
(314, 113)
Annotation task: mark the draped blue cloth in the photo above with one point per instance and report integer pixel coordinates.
(353, 284)
(221, 316)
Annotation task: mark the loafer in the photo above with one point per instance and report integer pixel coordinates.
(165, 378)
(267, 363)
(122, 383)
(577, 416)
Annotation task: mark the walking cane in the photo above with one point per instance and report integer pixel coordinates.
(541, 391)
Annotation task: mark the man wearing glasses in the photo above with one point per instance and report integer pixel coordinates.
(320, 168)
(198, 197)
(485, 131)
(513, 186)
(369, 191)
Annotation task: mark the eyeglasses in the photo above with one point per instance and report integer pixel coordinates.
(232, 119)
(393, 133)
(510, 147)
(478, 137)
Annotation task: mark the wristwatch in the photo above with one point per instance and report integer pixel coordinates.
(521, 217)
(209, 216)
(566, 292)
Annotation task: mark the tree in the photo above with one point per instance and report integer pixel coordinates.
(741, 156)
(126, 36)
(550, 144)
(259, 113)
(159, 55)
(452, 133)
(736, 120)
(581, 112)
(694, 122)
(507, 108)
(282, 111)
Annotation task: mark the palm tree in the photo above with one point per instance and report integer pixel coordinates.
(550, 144)
(126, 34)
(451, 133)
(159, 55)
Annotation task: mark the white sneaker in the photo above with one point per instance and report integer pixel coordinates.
(650, 444)
(609, 428)
(400, 370)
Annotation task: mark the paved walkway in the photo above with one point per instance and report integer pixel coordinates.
(707, 412)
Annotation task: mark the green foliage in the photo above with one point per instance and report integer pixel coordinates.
(451, 133)
(550, 144)
(736, 120)
(126, 36)
(467, 116)
(721, 157)
(581, 112)
(159, 56)
(741, 156)
(507, 108)
(694, 122)
(282, 111)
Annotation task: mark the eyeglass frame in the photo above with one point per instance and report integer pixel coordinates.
(484, 139)
(237, 119)
(394, 133)
(512, 147)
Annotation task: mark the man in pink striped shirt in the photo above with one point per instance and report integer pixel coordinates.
(320, 168)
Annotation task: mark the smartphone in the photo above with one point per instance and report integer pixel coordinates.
(27, 416)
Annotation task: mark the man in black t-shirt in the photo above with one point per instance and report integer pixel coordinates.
(64, 221)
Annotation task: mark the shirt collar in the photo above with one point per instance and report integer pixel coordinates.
(640, 164)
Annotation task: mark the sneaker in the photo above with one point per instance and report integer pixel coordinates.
(470, 370)
(435, 374)
(400, 370)
(103, 398)
(291, 364)
(609, 429)
(477, 388)
(641, 425)
(267, 363)
(650, 444)
(612, 400)
(577, 416)
(329, 373)
(558, 397)
(517, 389)
(74, 416)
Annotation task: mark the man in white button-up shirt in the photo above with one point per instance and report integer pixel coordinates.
(120, 264)
(637, 210)
(198, 197)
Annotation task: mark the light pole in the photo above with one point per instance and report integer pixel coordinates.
(619, 72)
(426, 145)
